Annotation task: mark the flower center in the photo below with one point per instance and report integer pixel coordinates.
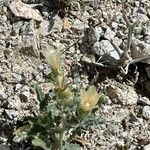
(87, 104)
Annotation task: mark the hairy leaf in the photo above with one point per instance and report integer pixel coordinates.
(41, 97)
(68, 146)
(21, 133)
(40, 143)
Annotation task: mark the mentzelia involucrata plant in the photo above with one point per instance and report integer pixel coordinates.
(63, 115)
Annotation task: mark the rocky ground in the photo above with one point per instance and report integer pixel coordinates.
(83, 32)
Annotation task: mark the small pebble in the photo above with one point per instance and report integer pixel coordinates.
(146, 147)
(2, 95)
(146, 112)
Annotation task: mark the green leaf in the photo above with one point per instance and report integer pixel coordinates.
(35, 126)
(51, 107)
(45, 120)
(102, 99)
(92, 120)
(32, 120)
(85, 123)
(41, 97)
(40, 94)
(40, 143)
(71, 146)
(21, 133)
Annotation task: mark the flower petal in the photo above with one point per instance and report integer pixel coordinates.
(91, 90)
(83, 94)
(92, 95)
(89, 98)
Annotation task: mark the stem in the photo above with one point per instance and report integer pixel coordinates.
(58, 141)
(55, 146)
(63, 126)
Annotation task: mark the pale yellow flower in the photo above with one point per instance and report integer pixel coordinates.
(89, 98)
(53, 59)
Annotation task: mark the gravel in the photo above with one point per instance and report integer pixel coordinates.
(92, 26)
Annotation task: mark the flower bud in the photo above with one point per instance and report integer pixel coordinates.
(53, 59)
(65, 96)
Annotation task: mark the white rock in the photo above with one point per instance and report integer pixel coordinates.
(14, 103)
(11, 114)
(45, 27)
(117, 41)
(79, 25)
(109, 34)
(18, 86)
(144, 101)
(142, 17)
(121, 115)
(2, 95)
(122, 94)
(146, 112)
(85, 16)
(115, 25)
(105, 47)
(56, 24)
(146, 147)
(94, 34)
(17, 69)
(16, 78)
(45, 11)
(25, 88)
